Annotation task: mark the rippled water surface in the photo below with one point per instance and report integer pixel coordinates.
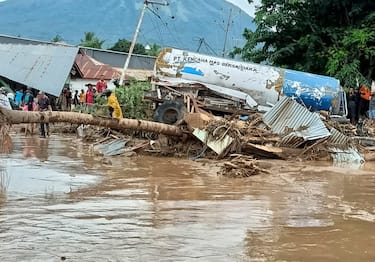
(58, 201)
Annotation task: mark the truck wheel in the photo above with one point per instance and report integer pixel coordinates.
(169, 112)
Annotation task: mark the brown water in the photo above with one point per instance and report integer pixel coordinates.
(59, 201)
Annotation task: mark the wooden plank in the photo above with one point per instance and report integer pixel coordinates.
(263, 151)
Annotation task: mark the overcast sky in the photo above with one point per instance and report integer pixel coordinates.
(245, 6)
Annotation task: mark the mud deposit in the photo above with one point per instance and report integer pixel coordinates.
(59, 202)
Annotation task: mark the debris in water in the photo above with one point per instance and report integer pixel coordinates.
(242, 166)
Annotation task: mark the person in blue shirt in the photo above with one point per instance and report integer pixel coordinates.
(18, 97)
(28, 99)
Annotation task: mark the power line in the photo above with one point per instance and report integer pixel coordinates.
(203, 42)
(166, 25)
(145, 5)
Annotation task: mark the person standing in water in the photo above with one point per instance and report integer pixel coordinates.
(43, 105)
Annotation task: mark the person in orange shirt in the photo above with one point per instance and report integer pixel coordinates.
(82, 97)
(364, 101)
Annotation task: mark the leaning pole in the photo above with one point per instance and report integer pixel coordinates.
(18, 117)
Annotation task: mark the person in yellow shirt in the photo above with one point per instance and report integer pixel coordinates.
(113, 105)
(82, 97)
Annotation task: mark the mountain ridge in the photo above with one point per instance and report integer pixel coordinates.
(178, 25)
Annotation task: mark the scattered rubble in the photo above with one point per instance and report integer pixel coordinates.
(112, 148)
(287, 131)
(242, 166)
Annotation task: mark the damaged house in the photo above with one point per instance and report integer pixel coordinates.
(50, 67)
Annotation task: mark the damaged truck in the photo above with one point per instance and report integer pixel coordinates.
(184, 80)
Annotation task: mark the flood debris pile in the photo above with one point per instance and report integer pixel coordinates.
(177, 147)
(365, 131)
(89, 133)
(63, 128)
(287, 131)
(240, 166)
(227, 135)
(367, 128)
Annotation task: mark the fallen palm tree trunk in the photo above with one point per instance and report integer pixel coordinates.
(19, 117)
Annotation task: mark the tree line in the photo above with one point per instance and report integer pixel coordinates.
(122, 45)
(329, 37)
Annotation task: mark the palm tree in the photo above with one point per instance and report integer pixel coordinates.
(153, 50)
(90, 40)
(18, 117)
(57, 39)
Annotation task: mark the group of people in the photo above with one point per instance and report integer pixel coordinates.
(358, 100)
(27, 100)
(32, 100)
(68, 101)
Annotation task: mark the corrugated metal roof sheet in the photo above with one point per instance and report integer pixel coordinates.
(113, 148)
(43, 67)
(8, 39)
(117, 59)
(339, 139)
(93, 69)
(291, 140)
(113, 58)
(346, 156)
(291, 119)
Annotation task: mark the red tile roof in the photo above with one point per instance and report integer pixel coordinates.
(92, 69)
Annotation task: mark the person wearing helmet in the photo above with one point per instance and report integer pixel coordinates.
(113, 105)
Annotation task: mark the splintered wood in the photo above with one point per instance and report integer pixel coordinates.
(368, 128)
(242, 166)
(251, 137)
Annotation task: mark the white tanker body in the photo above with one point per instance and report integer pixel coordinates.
(254, 85)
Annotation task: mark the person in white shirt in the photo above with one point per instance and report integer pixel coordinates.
(4, 100)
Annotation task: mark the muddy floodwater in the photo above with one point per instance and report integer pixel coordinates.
(58, 201)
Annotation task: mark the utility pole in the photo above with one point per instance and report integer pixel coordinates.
(226, 31)
(145, 5)
(201, 41)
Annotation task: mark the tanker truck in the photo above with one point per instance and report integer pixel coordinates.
(228, 86)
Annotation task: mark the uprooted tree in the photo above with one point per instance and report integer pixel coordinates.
(18, 117)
